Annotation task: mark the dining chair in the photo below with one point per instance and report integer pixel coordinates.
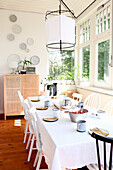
(32, 135)
(108, 107)
(105, 140)
(33, 118)
(26, 130)
(93, 101)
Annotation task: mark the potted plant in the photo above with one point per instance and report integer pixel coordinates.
(25, 63)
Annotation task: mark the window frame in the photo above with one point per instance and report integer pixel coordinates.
(94, 40)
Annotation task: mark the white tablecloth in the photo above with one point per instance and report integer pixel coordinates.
(63, 145)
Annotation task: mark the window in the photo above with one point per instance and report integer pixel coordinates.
(61, 65)
(85, 62)
(103, 61)
(103, 20)
(85, 32)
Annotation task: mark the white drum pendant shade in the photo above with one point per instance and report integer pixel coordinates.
(60, 28)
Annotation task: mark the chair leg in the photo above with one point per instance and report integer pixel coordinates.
(36, 158)
(29, 141)
(31, 148)
(39, 160)
(25, 131)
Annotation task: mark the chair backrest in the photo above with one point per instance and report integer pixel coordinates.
(21, 97)
(33, 119)
(77, 97)
(93, 101)
(105, 140)
(108, 107)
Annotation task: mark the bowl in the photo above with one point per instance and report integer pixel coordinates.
(77, 116)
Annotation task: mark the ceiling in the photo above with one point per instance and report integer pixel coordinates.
(41, 6)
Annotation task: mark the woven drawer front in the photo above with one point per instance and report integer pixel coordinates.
(30, 92)
(14, 107)
(13, 82)
(30, 81)
(12, 95)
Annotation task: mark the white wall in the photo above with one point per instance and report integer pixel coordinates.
(33, 25)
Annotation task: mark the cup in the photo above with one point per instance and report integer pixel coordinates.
(55, 112)
(100, 113)
(46, 103)
(81, 125)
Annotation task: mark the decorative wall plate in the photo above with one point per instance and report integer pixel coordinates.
(10, 37)
(13, 57)
(16, 29)
(30, 41)
(23, 46)
(20, 67)
(13, 18)
(35, 60)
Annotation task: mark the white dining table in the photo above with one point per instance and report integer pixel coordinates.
(63, 146)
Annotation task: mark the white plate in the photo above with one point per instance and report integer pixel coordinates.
(35, 60)
(13, 18)
(16, 29)
(30, 41)
(10, 37)
(13, 57)
(23, 46)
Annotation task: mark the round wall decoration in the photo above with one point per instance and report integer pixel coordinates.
(30, 41)
(13, 58)
(13, 18)
(23, 46)
(35, 60)
(16, 29)
(10, 37)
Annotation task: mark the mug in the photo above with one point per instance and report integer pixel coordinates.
(101, 113)
(66, 102)
(55, 112)
(47, 103)
(81, 125)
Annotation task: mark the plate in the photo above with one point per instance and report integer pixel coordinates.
(23, 46)
(13, 18)
(30, 41)
(35, 100)
(10, 37)
(20, 67)
(16, 29)
(41, 108)
(35, 60)
(99, 131)
(13, 58)
(51, 119)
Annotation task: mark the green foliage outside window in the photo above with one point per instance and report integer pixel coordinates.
(103, 60)
(61, 65)
(85, 62)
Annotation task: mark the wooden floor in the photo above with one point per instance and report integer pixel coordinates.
(13, 155)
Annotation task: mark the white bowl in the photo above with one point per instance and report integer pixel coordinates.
(75, 116)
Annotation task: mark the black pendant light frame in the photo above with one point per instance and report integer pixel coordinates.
(56, 13)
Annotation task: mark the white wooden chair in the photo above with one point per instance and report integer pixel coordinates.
(31, 131)
(26, 130)
(108, 107)
(33, 118)
(93, 101)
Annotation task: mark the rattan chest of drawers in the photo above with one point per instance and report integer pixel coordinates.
(28, 85)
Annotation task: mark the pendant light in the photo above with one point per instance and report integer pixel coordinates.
(60, 29)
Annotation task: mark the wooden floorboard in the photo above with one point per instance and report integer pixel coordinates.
(13, 155)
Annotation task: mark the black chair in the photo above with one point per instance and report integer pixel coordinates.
(105, 141)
